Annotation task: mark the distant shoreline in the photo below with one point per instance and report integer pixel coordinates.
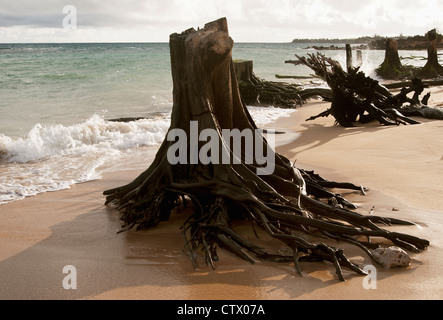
(377, 42)
(334, 47)
(360, 40)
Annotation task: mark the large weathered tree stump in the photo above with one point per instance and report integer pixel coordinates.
(432, 69)
(291, 205)
(392, 68)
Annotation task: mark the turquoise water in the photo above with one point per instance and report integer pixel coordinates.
(55, 99)
(67, 83)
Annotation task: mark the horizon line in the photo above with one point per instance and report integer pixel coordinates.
(131, 42)
(300, 40)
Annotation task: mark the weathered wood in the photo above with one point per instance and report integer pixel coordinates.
(349, 62)
(127, 119)
(244, 70)
(359, 58)
(356, 97)
(408, 83)
(392, 57)
(258, 92)
(279, 76)
(432, 69)
(392, 68)
(285, 203)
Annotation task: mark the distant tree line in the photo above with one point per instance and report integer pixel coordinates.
(360, 40)
(378, 42)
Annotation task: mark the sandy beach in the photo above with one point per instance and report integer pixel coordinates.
(402, 166)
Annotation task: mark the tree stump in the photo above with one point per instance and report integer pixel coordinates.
(432, 69)
(261, 93)
(244, 69)
(285, 202)
(359, 58)
(392, 68)
(349, 62)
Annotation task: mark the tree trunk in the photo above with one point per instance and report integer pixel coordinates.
(257, 92)
(261, 93)
(432, 69)
(359, 58)
(391, 68)
(349, 62)
(244, 70)
(284, 202)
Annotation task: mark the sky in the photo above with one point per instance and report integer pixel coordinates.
(248, 20)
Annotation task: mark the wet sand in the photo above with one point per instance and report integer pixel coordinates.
(402, 166)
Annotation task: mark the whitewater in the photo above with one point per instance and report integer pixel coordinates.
(54, 157)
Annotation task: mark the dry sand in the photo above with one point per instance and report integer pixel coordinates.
(403, 167)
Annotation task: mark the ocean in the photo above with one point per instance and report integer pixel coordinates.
(56, 100)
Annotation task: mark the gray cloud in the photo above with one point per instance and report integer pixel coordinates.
(46, 20)
(249, 20)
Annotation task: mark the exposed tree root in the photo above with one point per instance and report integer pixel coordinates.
(217, 203)
(262, 93)
(290, 205)
(356, 97)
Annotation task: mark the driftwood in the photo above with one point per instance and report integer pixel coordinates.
(423, 111)
(127, 119)
(349, 62)
(291, 205)
(356, 97)
(408, 83)
(280, 76)
(262, 93)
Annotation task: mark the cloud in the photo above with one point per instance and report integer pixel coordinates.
(47, 20)
(249, 20)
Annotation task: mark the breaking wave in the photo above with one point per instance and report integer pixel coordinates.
(94, 135)
(54, 157)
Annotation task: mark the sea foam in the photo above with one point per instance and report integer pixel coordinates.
(266, 115)
(54, 157)
(94, 135)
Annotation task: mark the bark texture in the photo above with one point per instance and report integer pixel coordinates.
(357, 98)
(432, 69)
(291, 205)
(261, 93)
(392, 68)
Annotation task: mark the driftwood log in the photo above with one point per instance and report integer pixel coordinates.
(349, 62)
(291, 205)
(358, 98)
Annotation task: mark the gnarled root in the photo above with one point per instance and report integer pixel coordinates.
(218, 203)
